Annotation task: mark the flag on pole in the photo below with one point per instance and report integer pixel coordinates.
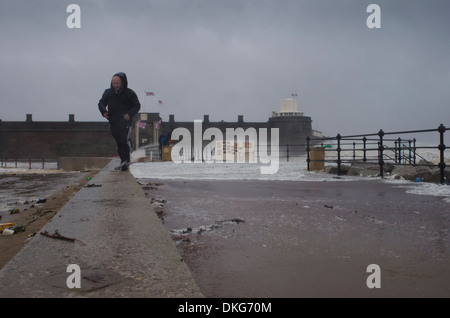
(149, 93)
(142, 124)
(158, 124)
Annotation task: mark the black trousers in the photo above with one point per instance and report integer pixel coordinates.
(122, 137)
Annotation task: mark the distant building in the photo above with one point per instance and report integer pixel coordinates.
(288, 108)
(293, 127)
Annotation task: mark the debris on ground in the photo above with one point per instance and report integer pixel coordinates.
(204, 228)
(92, 185)
(6, 225)
(14, 210)
(57, 235)
(11, 228)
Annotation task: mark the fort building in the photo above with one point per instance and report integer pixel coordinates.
(50, 140)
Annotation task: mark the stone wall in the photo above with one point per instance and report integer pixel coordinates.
(292, 130)
(51, 140)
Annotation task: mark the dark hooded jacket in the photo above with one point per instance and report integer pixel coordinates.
(117, 104)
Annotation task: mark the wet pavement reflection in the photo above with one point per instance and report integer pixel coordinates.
(306, 239)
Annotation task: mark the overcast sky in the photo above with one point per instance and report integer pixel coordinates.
(227, 58)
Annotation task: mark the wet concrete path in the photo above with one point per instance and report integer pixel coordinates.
(116, 240)
(307, 239)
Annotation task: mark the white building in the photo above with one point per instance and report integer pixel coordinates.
(289, 107)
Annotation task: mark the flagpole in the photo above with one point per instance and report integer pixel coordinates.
(145, 101)
(137, 133)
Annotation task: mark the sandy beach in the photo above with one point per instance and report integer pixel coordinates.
(258, 238)
(21, 190)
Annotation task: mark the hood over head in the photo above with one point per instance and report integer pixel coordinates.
(124, 79)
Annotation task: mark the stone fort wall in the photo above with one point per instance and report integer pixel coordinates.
(51, 140)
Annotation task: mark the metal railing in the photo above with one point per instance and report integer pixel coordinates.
(28, 163)
(152, 152)
(376, 148)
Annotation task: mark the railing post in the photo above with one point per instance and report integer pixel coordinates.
(364, 149)
(441, 148)
(395, 152)
(399, 150)
(414, 151)
(287, 152)
(380, 153)
(307, 152)
(338, 137)
(409, 153)
(354, 150)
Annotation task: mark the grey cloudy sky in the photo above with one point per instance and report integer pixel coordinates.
(227, 58)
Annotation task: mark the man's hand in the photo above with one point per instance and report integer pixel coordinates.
(106, 115)
(127, 117)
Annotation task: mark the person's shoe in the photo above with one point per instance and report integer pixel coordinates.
(125, 165)
(119, 167)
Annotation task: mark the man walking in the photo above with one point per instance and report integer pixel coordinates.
(119, 104)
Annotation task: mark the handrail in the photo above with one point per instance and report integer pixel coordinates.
(399, 148)
(42, 162)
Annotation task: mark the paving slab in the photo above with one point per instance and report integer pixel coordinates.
(119, 248)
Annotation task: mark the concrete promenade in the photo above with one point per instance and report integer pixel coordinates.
(120, 246)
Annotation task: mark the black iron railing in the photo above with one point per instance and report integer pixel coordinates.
(376, 148)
